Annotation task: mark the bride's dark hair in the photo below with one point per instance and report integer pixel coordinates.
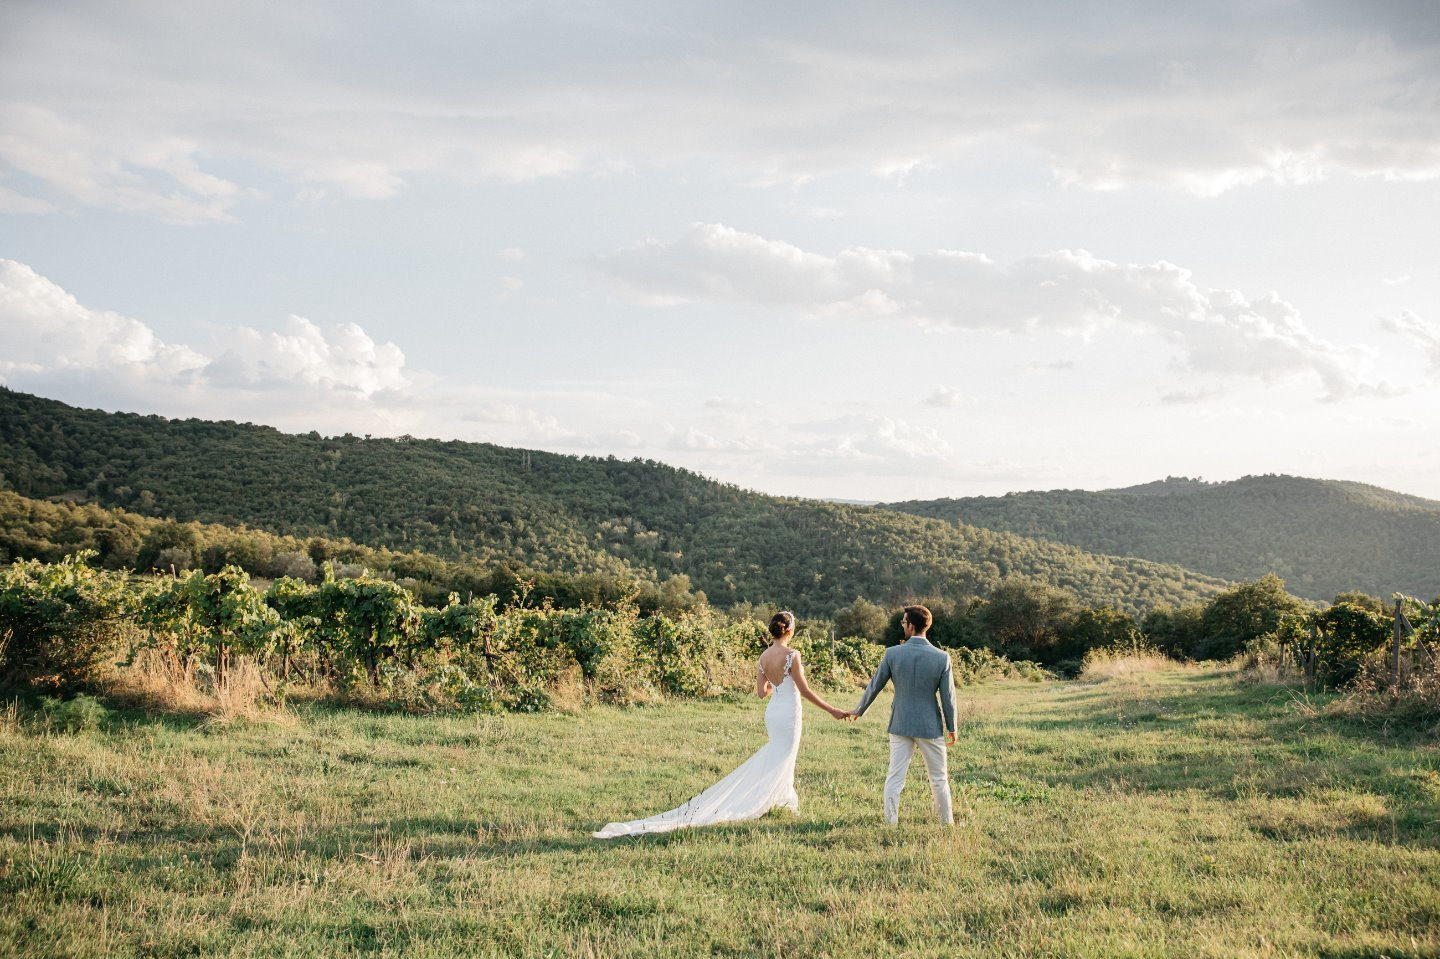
(782, 623)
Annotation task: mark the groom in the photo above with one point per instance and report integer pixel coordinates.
(920, 672)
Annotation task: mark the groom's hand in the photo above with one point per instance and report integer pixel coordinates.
(950, 738)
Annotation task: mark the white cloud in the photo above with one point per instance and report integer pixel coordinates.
(733, 403)
(947, 396)
(870, 443)
(12, 202)
(134, 108)
(111, 167)
(693, 439)
(1068, 292)
(1424, 333)
(300, 377)
(508, 418)
(346, 360)
(42, 327)
(619, 440)
(842, 446)
(1186, 397)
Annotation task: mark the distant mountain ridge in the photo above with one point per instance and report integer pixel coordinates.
(1321, 536)
(578, 515)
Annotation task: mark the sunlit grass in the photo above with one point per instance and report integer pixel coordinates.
(1103, 664)
(1182, 814)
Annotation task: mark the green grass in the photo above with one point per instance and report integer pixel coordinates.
(1183, 814)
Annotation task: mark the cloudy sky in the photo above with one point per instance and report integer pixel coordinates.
(874, 251)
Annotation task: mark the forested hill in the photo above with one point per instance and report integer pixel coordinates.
(490, 504)
(1320, 536)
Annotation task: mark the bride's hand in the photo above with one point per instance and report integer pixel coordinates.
(838, 713)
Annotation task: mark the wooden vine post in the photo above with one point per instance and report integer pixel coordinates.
(485, 649)
(1400, 631)
(1309, 663)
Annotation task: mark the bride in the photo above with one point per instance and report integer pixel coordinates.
(766, 779)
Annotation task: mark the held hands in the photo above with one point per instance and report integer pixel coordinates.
(843, 714)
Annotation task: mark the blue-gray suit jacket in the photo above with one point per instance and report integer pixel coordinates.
(920, 671)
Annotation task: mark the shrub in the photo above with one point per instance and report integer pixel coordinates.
(858, 655)
(468, 695)
(58, 622)
(970, 666)
(84, 713)
(1349, 633)
(530, 698)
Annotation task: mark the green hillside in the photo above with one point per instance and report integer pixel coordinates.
(492, 505)
(1321, 536)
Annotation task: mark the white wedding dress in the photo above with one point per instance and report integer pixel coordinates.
(760, 783)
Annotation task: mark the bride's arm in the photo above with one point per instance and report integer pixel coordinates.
(797, 676)
(762, 685)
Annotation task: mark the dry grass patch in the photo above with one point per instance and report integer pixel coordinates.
(158, 682)
(1414, 701)
(1124, 663)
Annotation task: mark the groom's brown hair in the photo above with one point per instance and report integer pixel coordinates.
(919, 618)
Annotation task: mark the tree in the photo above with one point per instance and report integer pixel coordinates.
(862, 618)
(1027, 619)
(119, 546)
(1363, 600)
(1095, 627)
(169, 536)
(295, 564)
(1175, 631)
(673, 597)
(1246, 612)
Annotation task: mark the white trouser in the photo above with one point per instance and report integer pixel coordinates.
(901, 749)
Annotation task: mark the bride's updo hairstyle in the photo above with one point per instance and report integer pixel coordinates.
(781, 623)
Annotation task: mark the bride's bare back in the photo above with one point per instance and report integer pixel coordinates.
(772, 663)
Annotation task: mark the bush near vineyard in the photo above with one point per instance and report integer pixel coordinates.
(1348, 634)
(59, 622)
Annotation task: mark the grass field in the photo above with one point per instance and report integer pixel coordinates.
(1177, 814)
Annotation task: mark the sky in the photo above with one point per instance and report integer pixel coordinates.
(873, 251)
